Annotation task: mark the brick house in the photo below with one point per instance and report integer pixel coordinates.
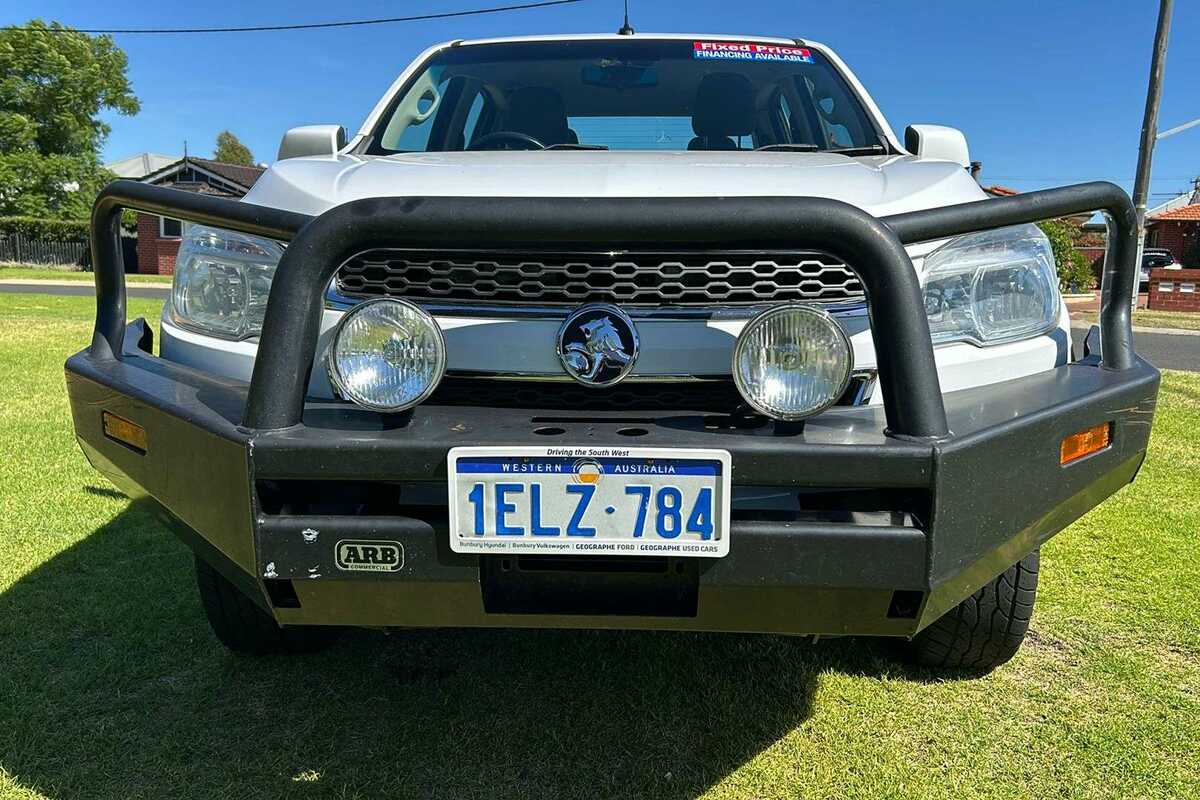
(158, 237)
(1177, 230)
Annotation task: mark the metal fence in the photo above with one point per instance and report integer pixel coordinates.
(22, 249)
(18, 249)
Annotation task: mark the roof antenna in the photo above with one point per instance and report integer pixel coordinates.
(626, 29)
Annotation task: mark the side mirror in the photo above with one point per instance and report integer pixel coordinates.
(937, 141)
(312, 140)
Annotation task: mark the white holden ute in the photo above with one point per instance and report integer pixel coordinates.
(638, 331)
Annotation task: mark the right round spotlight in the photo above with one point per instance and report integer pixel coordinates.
(792, 361)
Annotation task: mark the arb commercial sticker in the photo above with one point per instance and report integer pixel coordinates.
(750, 51)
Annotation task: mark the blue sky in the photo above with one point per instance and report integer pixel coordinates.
(1047, 92)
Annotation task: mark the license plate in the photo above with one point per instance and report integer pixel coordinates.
(637, 501)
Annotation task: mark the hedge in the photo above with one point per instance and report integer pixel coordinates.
(51, 229)
(1074, 269)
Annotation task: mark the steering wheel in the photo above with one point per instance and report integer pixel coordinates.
(526, 141)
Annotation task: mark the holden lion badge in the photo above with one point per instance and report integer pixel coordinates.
(598, 345)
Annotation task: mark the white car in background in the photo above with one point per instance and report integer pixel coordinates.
(1155, 258)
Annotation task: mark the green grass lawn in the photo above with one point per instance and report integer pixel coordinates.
(111, 685)
(1181, 320)
(28, 272)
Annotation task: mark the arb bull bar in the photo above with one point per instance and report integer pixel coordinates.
(904, 511)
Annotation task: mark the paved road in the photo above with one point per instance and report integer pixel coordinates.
(1165, 351)
(85, 289)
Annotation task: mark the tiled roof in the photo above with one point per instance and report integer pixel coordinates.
(1185, 213)
(1178, 201)
(233, 179)
(243, 176)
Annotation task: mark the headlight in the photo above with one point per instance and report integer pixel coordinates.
(387, 355)
(222, 280)
(791, 362)
(992, 287)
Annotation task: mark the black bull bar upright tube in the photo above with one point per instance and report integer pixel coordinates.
(873, 247)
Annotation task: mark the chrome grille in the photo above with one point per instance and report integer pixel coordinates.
(628, 278)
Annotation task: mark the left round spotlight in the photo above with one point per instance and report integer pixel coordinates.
(387, 355)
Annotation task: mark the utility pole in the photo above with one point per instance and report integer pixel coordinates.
(1141, 183)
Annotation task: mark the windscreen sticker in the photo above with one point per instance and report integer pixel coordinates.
(749, 51)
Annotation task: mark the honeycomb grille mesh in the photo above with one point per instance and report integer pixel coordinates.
(634, 279)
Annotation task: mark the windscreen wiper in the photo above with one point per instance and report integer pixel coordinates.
(790, 147)
(573, 146)
(803, 147)
(866, 150)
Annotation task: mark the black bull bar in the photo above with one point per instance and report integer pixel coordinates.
(951, 467)
(873, 247)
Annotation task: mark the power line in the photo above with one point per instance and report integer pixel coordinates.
(313, 25)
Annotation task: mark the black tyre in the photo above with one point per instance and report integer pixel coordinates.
(985, 630)
(244, 627)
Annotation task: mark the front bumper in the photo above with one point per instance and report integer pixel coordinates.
(890, 533)
(896, 512)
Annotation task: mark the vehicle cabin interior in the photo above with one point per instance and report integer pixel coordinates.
(661, 101)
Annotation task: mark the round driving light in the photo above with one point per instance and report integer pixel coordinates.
(791, 362)
(387, 355)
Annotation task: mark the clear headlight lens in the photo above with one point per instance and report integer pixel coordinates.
(387, 355)
(222, 280)
(991, 287)
(792, 361)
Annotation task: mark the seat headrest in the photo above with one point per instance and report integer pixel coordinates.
(724, 105)
(540, 112)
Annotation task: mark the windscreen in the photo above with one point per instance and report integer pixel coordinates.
(627, 95)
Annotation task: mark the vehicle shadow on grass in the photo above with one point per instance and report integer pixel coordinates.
(112, 686)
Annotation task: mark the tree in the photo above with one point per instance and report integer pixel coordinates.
(54, 82)
(51, 187)
(1074, 271)
(231, 150)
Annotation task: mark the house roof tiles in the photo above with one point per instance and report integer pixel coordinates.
(1184, 214)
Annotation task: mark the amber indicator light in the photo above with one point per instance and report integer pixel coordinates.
(122, 430)
(1084, 443)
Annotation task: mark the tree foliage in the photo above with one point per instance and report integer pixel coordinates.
(61, 230)
(53, 187)
(231, 150)
(54, 82)
(1074, 269)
